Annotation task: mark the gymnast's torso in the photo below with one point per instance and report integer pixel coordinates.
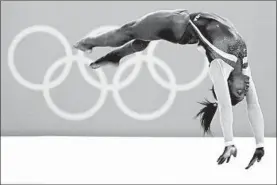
(219, 32)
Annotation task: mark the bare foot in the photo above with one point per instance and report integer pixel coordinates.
(94, 65)
(83, 46)
(108, 59)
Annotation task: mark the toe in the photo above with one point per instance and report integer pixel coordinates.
(94, 66)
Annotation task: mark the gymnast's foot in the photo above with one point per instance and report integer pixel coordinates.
(84, 45)
(108, 59)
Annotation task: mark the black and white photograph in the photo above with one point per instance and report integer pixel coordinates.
(138, 92)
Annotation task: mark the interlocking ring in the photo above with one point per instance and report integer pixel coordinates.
(137, 60)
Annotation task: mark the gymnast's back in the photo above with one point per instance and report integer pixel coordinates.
(218, 31)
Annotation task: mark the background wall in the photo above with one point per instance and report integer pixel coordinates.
(25, 112)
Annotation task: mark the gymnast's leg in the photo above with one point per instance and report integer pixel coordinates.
(116, 55)
(113, 38)
(168, 25)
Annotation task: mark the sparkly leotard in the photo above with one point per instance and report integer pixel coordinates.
(220, 33)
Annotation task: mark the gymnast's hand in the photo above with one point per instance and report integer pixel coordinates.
(84, 45)
(258, 155)
(227, 153)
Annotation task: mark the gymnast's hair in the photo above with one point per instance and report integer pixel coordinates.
(207, 113)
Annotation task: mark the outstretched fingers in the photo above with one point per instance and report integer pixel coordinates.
(251, 163)
(228, 159)
(227, 155)
(258, 155)
(221, 161)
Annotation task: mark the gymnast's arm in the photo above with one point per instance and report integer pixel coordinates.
(219, 72)
(255, 114)
(256, 119)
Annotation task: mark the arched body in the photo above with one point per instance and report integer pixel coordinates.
(225, 49)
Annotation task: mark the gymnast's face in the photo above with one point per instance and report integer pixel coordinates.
(238, 87)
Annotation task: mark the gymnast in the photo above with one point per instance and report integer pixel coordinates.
(225, 50)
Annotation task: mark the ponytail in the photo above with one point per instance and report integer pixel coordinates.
(207, 113)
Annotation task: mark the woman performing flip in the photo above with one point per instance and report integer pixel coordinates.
(226, 52)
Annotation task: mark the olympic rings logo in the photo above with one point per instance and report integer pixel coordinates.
(137, 60)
